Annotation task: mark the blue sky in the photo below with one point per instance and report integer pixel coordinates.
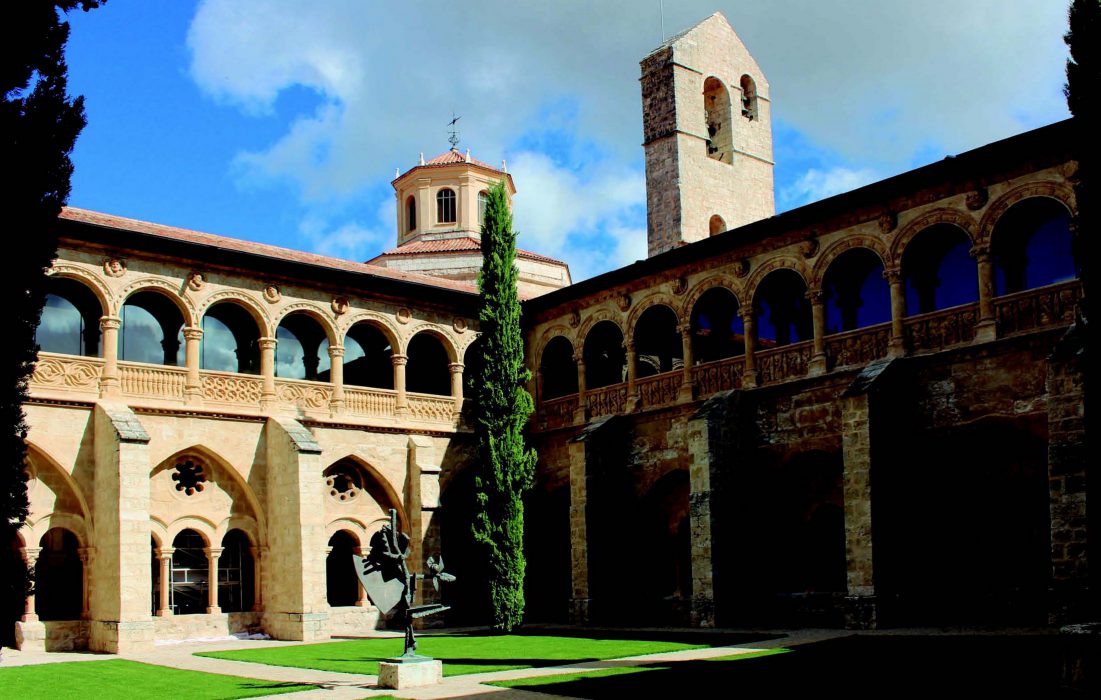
(283, 122)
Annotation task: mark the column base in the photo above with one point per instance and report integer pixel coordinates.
(985, 331)
(686, 393)
(30, 635)
(298, 627)
(164, 613)
(632, 404)
(120, 637)
(751, 379)
(336, 408)
(214, 611)
(896, 347)
(193, 396)
(861, 612)
(580, 610)
(579, 416)
(817, 365)
(703, 612)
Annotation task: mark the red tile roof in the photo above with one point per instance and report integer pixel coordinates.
(461, 244)
(238, 245)
(453, 156)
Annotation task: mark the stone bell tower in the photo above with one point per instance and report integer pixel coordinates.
(707, 133)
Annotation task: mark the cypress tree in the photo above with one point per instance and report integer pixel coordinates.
(505, 467)
(1083, 92)
(39, 124)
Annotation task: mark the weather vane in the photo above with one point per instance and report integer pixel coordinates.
(453, 139)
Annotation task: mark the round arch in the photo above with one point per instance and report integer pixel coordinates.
(598, 317)
(1058, 191)
(837, 248)
(783, 262)
(90, 280)
(549, 334)
(935, 217)
(244, 523)
(449, 344)
(379, 321)
(729, 282)
(67, 521)
(332, 333)
(258, 313)
(159, 286)
(196, 523)
(648, 302)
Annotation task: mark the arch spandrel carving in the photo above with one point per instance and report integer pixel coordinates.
(1050, 189)
(96, 285)
(960, 219)
(847, 243)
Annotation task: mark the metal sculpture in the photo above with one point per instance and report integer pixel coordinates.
(386, 579)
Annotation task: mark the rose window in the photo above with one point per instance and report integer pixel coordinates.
(189, 477)
(343, 485)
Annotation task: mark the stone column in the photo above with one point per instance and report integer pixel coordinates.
(857, 489)
(257, 577)
(704, 440)
(537, 375)
(294, 602)
(85, 554)
(632, 376)
(749, 325)
(336, 374)
(818, 320)
(580, 412)
(401, 401)
(896, 347)
(193, 385)
(212, 556)
(109, 380)
(121, 599)
(361, 595)
(986, 328)
(579, 534)
(30, 556)
(30, 632)
(267, 371)
(456, 369)
(687, 385)
(164, 555)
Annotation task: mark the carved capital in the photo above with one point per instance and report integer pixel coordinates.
(336, 351)
(893, 275)
(685, 329)
(193, 333)
(814, 296)
(110, 323)
(981, 252)
(213, 552)
(267, 343)
(165, 553)
(399, 360)
(456, 367)
(30, 555)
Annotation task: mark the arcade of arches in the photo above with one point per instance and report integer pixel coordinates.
(778, 425)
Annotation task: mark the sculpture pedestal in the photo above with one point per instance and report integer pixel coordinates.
(410, 672)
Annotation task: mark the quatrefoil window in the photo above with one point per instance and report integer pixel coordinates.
(343, 484)
(189, 477)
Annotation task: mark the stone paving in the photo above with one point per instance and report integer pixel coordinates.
(346, 686)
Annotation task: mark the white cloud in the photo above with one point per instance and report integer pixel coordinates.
(350, 240)
(818, 184)
(883, 85)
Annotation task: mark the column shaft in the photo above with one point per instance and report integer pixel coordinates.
(193, 386)
(818, 321)
(109, 380)
(401, 400)
(267, 371)
(336, 373)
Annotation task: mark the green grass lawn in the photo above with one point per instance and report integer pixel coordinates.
(119, 678)
(460, 654)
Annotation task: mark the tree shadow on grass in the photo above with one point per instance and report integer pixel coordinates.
(872, 667)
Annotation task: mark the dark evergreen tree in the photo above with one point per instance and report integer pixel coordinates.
(39, 124)
(506, 467)
(1083, 91)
